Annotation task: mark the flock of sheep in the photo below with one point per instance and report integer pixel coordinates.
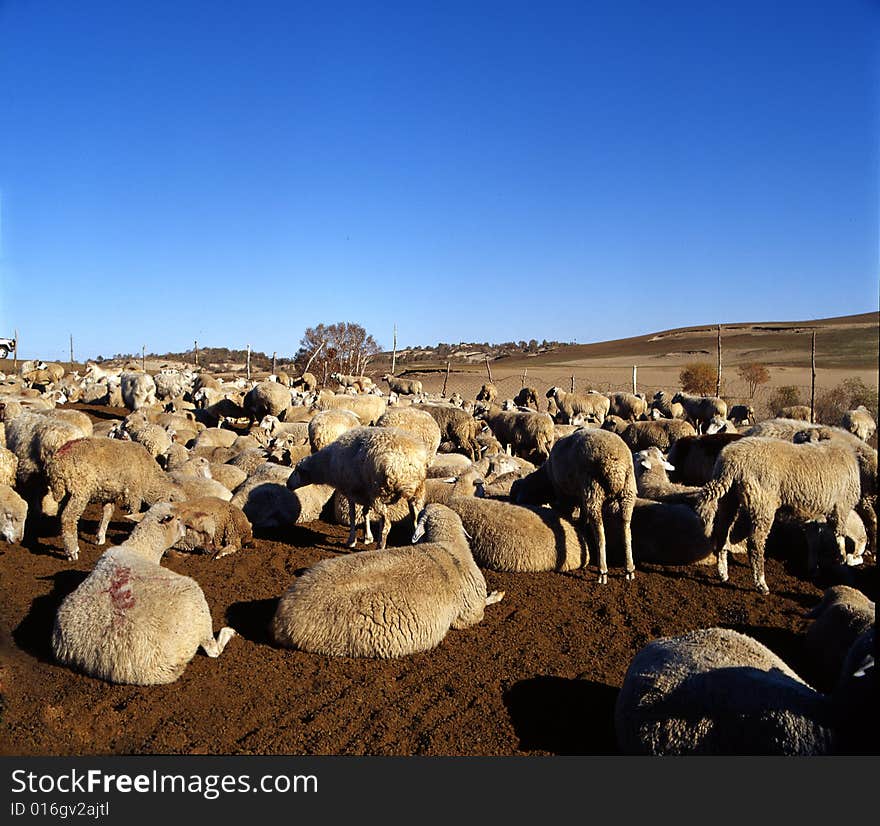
(199, 464)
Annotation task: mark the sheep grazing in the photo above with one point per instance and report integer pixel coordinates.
(594, 407)
(133, 621)
(213, 526)
(456, 426)
(107, 471)
(416, 421)
(138, 389)
(527, 397)
(859, 422)
(530, 435)
(488, 393)
(592, 469)
(367, 408)
(266, 398)
(403, 387)
(699, 410)
(660, 433)
(839, 619)
(808, 481)
(387, 604)
(328, 425)
(360, 383)
(373, 467)
(801, 412)
(741, 414)
(13, 515)
(716, 691)
(694, 457)
(506, 537)
(627, 405)
(8, 467)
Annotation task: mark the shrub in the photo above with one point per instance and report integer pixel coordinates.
(785, 396)
(754, 374)
(698, 377)
(849, 394)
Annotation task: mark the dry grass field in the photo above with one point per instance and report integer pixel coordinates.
(539, 675)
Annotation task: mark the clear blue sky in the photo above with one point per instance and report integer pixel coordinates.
(236, 172)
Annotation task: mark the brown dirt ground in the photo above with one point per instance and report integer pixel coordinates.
(539, 675)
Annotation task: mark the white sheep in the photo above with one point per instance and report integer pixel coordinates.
(388, 603)
(592, 406)
(133, 621)
(13, 514)
(860, 422)
(138, 389)
(699, 410)
(328, 425)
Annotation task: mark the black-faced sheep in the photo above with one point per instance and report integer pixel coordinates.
(741, 414)
(133, 621)
(527, 397)
(488, 393)
(387, 604)
(694, 457)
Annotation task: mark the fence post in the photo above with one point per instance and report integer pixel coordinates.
(445, 379)
(394, 352)
(488, 369)
(248, 362)
(572, 385)
(196, 349)
(274, 354)
(15, 352)
(522, 379)
(718, 379)
(144, 358)
(635, 378)
(813, 378)
(71, 352)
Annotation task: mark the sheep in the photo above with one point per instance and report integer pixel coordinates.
(860, 422)
(273, 426)
(13, 514)
(133, 621)
(652, 481)
(213, 525)
(307, 382)
(215, 437)
(719, 425)
(801, 412)
(266, 398)
(171, 385)
(447, 464)
(661, 433)
(387, 604)
(716, 691)
(247, 460)
(527, 397)
(373, 467)
(741, 414)
(529, 435)
(418, 422)
(699, 410)
(456, 426)
(506, 537)
(107, 471)
(155, 438)
(403, 387)
(138, 389)
(367, 408)
(328, 425)
(694, 456)
(843, 614)
(8, 467)
(286, 450)
(591, 468)
(593, 406)
(627, 405)
(764, 475)
(488, 393)
(268, 504)
(360, 383)
(227, 475)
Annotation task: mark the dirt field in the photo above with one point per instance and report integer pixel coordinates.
(539, 675)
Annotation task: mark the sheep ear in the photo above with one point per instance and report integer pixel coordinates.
(668, 466)
(449, 480)
(419, 532)
(646, 464)
(133, 517)
(467, 534)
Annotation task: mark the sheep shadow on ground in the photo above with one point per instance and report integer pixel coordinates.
(251, 619)
(34, 633)
(563, 716)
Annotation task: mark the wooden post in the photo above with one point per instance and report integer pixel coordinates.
(522, 379)
(196, 351)
(274, 354)
(813, 378)
(718, 379)
(394, 352)
(312, 358)
(15, 351)
(572, 385)
(635, 378)
(71, 352)
(144, 357)
(445, 379)
(249, 362)
(488, 369)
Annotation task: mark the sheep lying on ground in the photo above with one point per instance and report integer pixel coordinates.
(107, 471)
(762, 475)
(373, 467)
(13, 515)
(592, 406)
(215, 437)
(716, 691)
(456, 426)
(138, 389)
(718, 425)
(273, 426)
(838, 620)
(268, 504)
(328, 425)
(403, 387)
(387, 604)
(448, 464)
(530, 435)
(212, 526)
(699, 410)
(627, 405)
(860, 422)
(591, 468)
(133, 621)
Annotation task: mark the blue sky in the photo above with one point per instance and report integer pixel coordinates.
(234, 173)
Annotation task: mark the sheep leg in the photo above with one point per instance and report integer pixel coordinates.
(866, 511)
(48, 505)
(495, 596)
(107, 514)
(626, 509)
(591, 516)
(368, 530)
(837, 522)
(757, 541)
(724, 519)
(214, 648)
(73, 510)
(352, 530)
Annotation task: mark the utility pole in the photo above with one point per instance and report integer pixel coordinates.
(15, 352)
(635, 378)
(445, 379)
(144, 357)
(718, 379)
(394, 352)
(249, 362)
(71, 352)
(196, 351)
(488, 368)
(813, 378)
